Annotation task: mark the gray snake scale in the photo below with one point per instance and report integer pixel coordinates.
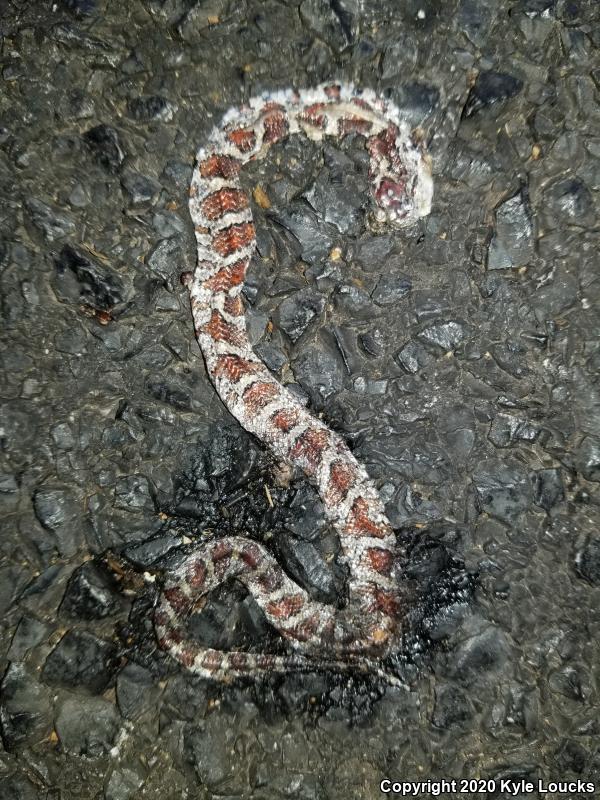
(359, 635)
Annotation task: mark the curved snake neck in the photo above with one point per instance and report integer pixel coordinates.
(365, 630)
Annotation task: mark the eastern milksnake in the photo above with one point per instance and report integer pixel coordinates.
(368, 627)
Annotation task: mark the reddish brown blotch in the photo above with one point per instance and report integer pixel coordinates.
(238, 660)
(306, 629)
(176, 599)
(380, 560)
(260, 394)
(222, 549)
(309, 446)
(269, 581)
(384, 144)
(341, 478)
(358, 101)
(314, 115)
(275, 123)
(286, 607)
(187, 657)
(234, 367)
(243, 138)
(359, 522)
(285, 419)
(354, 125)
(233, 238)
(227, 277)
(211, 659)
(251, 555)
(197, 574)
(234, 306)
(161, 618)
(387, 602)
(223, 201)
(222, 331)
(219, 166)
(175, 636)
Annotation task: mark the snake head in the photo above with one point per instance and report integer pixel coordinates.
(402, 200)
(400, 172)
(393, 200)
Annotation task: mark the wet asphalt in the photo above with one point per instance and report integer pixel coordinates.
(459, 360)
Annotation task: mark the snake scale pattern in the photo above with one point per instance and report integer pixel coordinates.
(320, 636)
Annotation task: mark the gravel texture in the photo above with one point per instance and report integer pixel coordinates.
(459, 360)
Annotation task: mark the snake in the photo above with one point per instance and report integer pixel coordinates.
(365, 629)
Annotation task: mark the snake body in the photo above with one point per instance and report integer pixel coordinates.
(364, 631)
